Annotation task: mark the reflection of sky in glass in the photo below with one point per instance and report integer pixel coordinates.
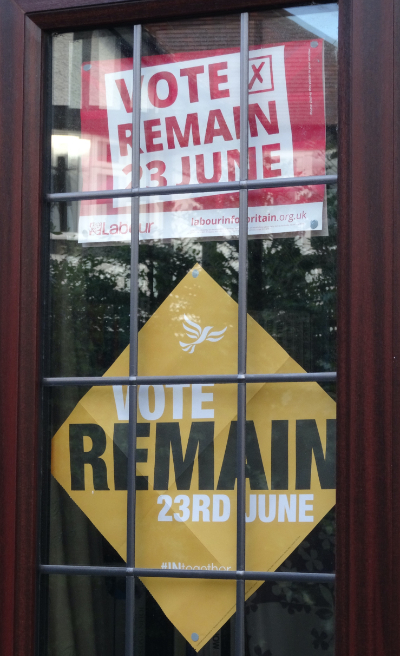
(321, 20)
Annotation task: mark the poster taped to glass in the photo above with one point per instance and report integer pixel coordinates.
(190, 134)
(186, 455)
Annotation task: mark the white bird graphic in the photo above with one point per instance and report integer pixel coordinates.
(194, 331)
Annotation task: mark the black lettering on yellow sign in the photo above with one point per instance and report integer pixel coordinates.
(254, 466)
(307, 443)
(201, 439)
(168, 438)
(121, 456)
(279, 454)
(79, 457)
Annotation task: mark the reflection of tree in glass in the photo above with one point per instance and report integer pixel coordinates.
(313, 600)
(291, 293)
(89, 306)
(162, 266)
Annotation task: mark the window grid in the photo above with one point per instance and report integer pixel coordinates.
(194, 188)
(130, 572)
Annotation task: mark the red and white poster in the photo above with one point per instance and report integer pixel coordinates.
(190, 133)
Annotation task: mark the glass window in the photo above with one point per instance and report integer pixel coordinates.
(189, 433)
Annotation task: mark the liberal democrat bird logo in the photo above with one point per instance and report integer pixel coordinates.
(194, 331)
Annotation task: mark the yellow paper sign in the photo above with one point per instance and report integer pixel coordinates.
(186, 456)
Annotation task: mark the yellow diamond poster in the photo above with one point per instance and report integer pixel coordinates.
(186, 456)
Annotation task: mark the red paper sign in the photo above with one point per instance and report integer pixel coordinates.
(190, 133)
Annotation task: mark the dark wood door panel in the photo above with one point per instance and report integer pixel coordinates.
(63, 14)
(11, 112)
(367, 557)
(31, 6)
(368, 601)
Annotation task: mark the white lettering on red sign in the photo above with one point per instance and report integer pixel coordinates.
(190, 133)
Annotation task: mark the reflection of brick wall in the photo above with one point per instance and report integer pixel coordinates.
(265, 28)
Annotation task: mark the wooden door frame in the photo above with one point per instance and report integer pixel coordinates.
(368, 497)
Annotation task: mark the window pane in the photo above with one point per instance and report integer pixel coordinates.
(293, 92)
(290, 477)
(292, 291)
(85, 615)
(186, 506)
(72, 535)
(190, 124)
(290, 619)
(188, 295)
(80, 144)
(88, 322)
